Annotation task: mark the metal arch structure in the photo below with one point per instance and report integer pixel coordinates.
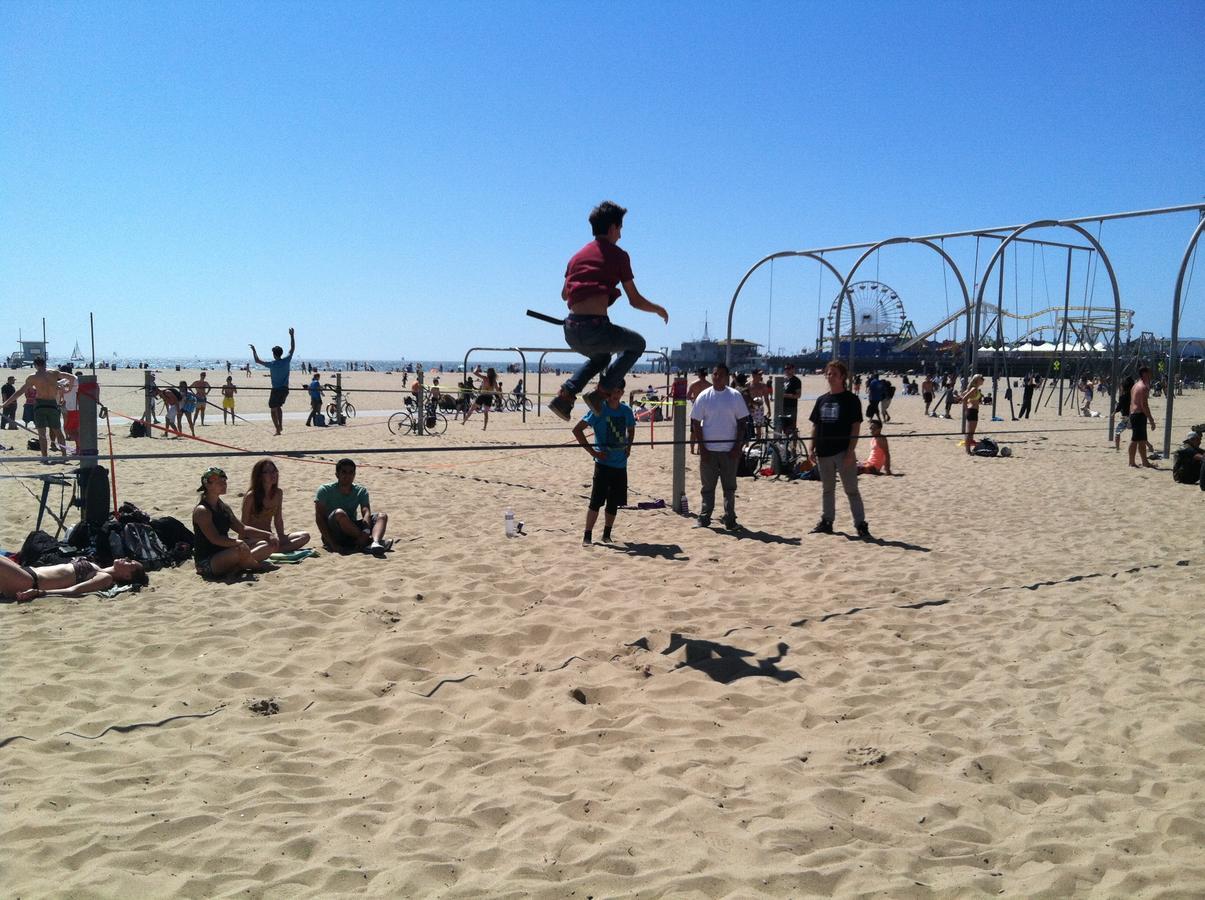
(1174, 357)
(966, 295)
(784, 254)
(1104, 257)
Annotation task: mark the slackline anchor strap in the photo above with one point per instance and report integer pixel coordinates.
(552, 320)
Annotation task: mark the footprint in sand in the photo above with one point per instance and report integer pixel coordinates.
(866, 756)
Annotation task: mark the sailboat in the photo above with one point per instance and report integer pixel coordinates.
(76, 356)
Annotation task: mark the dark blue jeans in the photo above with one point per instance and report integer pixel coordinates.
(596, 338)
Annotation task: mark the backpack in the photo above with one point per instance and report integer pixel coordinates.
(986, 447)
(319, 420)
(40, 549)
(138, 428)
(172, 532)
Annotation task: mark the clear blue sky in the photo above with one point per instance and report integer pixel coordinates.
(405, 179)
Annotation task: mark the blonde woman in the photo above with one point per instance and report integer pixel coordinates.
(970, 400)
(263, 507)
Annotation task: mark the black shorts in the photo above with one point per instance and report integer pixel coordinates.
(277, 398)
(610, 487)
(346, 540)
(972, 415)
(1137, 428)
(928, 395)
(485, 399)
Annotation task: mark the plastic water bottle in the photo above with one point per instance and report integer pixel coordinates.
(683, 506)
(509, 518)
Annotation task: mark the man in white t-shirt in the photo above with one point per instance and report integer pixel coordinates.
(718, 425)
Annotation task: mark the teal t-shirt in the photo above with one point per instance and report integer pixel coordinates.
(351, 503)
(611, 433)
(279, 370)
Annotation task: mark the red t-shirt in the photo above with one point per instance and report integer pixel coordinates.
(597, 269)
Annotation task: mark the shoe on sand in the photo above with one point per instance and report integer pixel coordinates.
(863, 531)
(824, 526)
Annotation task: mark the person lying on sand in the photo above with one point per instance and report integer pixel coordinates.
(73, 579)
(344, 516)
(214, 551)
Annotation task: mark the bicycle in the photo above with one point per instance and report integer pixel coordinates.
(406, 422)
(780, 452)
(343, 408)
(515, 404)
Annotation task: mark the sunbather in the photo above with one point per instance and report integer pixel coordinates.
(74, 579)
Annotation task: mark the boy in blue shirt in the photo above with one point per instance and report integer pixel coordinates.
(614, 429)
(278, 367)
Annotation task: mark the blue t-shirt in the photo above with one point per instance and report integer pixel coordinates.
(280, 370)
(611, 433)
(315, 390)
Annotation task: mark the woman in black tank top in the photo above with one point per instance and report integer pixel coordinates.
(215, 552)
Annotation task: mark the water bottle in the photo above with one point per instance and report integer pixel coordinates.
(509, 518)
(683, 506)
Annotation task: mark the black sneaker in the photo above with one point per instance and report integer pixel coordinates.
(702, 523)
(824, 526)
(863, 531)
(562, 407)
(594, 400)
(733, 526)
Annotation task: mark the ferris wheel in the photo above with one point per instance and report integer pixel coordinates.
(878, 312)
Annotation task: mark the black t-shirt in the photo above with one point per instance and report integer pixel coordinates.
(7, 391)
(790, 405)
(834, 415)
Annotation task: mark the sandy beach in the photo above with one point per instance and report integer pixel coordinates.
(1003, 694)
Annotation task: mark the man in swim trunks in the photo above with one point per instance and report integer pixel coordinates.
(591, 286)
(46, 409)
(279, 367)
(201, 388)
(1140, 416)
(344, 516)
(228, 392)
(928, 386)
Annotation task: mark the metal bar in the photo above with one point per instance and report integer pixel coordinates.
(1063, 338)
(1174, 357)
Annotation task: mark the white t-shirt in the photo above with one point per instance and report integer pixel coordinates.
(70, 397)
(717, 413)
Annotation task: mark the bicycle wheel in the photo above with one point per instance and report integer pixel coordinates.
(349, 410)
(751, 459)
(332, 413)
(400, 423)
(436, 423)
(527, 407)
(509, 404)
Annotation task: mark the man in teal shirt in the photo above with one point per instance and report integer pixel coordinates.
(344, 516)
(614, 429)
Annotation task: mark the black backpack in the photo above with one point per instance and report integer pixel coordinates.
(986, 447)
(40, 549)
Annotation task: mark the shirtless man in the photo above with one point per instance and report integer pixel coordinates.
(201, 388)
(1140, 417)
(46, 410)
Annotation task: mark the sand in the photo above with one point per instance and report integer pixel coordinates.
(1001, 696)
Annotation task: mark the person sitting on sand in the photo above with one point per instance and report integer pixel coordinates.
(1188, 463)
(879, 461)
(971, 399)
(74, 579)
(592, 280)
(214, 551)
(344, 516)
(263, 507)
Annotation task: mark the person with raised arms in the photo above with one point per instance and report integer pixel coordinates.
(278, 367)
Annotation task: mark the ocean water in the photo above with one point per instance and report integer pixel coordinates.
(562, 361)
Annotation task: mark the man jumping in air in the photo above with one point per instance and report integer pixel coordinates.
(591, 280)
